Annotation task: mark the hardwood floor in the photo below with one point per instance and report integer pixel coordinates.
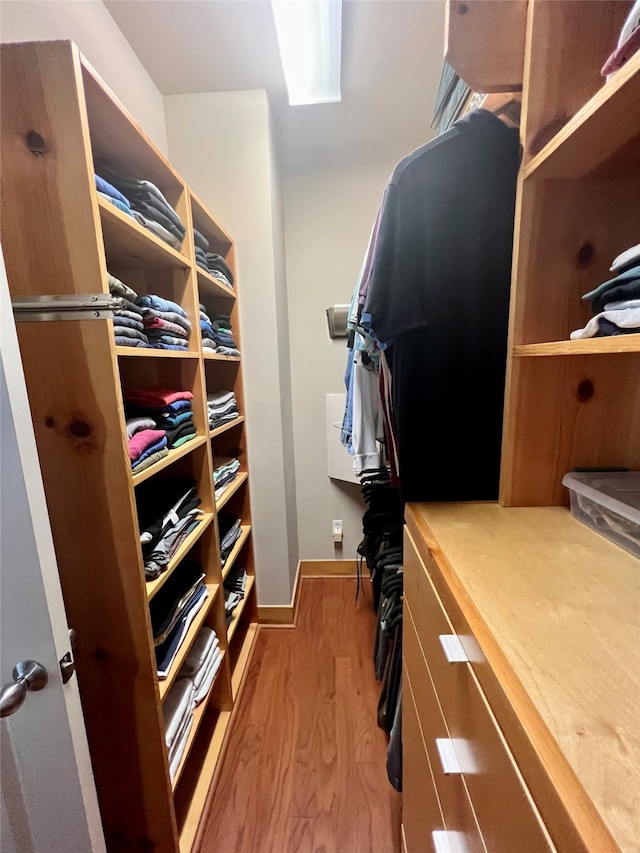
(304, 771)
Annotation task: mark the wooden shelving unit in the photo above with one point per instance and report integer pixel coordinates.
(571, 403)
(77, 378)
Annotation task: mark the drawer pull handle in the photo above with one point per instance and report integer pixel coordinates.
(449, 841)
(453, 648)
(455, 756)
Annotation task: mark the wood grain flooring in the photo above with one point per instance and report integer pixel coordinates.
(304, 771)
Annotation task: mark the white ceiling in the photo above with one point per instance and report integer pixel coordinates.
(391, 61)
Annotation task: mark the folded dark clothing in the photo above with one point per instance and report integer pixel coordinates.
(167, 338)
(154, 499)
(135, 410)
(123, 341)
(171, 421)
(164, 210)
(166, 650)
(158, 303)
(202, 264)
(228, 478)
(221, 318)
(619, 293)
(132, 187)
(216, 421)
(607, 329)
(180, 431)
(151, 213)
(200, 240)
(121, 319)
(217, 262)
(127, 332)
(171, 597)
(629, 276)
(200, 253)
(223, 340)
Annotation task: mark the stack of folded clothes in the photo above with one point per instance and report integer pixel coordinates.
(234, 587)
(202, 663)
(110, 193)
(230, 530)
(166, 324)
(218, 330)
(170, 412)
(145, 203)
(214, 264)
(128, 325)
(206, 328)
(224, 473)
(146, 443)
(616, 302)
(167, 513)
(177, 714)
(172, 610)
(223, 407)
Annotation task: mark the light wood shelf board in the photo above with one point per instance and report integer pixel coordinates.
(198, 715)
(240, 668)
(172, 457)
(214, 356)
(237, 613)
(128, 243)
(210, 286)
(246, 530)
(164, 685)
(154, 585)
(231, 490)
(586, 346)
(193, 812)
(606, 123)
(141, 352)
(214, 433)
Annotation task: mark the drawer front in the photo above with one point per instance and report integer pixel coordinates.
(454, 800)
(506, 814)
(421, 813)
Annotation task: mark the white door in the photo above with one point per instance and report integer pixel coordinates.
(47, 798)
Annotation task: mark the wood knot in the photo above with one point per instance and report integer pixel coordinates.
(585, 390)
(49, 422)
(586, 254)
(79, 429)
(463, 9)
(35, 143)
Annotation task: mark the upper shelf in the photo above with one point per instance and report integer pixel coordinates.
(210, 286)
(128, 243)
(485, 43)
(585, 346)
(609, 122)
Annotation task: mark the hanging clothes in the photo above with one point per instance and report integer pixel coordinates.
(437, 301)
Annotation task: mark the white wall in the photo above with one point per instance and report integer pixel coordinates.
(89, 24)
(220, 143)
(329, 211)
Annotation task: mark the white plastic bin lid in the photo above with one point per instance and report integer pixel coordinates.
(617, 491)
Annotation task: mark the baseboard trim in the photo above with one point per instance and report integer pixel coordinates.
(282, 615)
(328, 568)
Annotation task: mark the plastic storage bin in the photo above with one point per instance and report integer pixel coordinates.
(608, 503)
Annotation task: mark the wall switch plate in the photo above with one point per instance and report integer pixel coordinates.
(336, 527)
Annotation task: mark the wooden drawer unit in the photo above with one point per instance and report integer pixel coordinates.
(420, 803)
(506, 814)
(454, 800)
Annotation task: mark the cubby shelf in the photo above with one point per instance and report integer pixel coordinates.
(164, 685)
(154, 585)
(246, 530)
(129, 244)
(169, 459)
(214, 433)
(210, 286)
(243, 658)
(237, 613)
(231, 489)
(198, 715)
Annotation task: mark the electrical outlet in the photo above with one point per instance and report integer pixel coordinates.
(336, 527)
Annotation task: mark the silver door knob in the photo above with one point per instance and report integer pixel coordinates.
(27, 675)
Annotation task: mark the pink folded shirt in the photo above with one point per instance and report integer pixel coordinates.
(166, 325)
(156, 397)
(139, 442)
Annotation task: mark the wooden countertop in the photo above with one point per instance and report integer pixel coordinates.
(562, 605)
